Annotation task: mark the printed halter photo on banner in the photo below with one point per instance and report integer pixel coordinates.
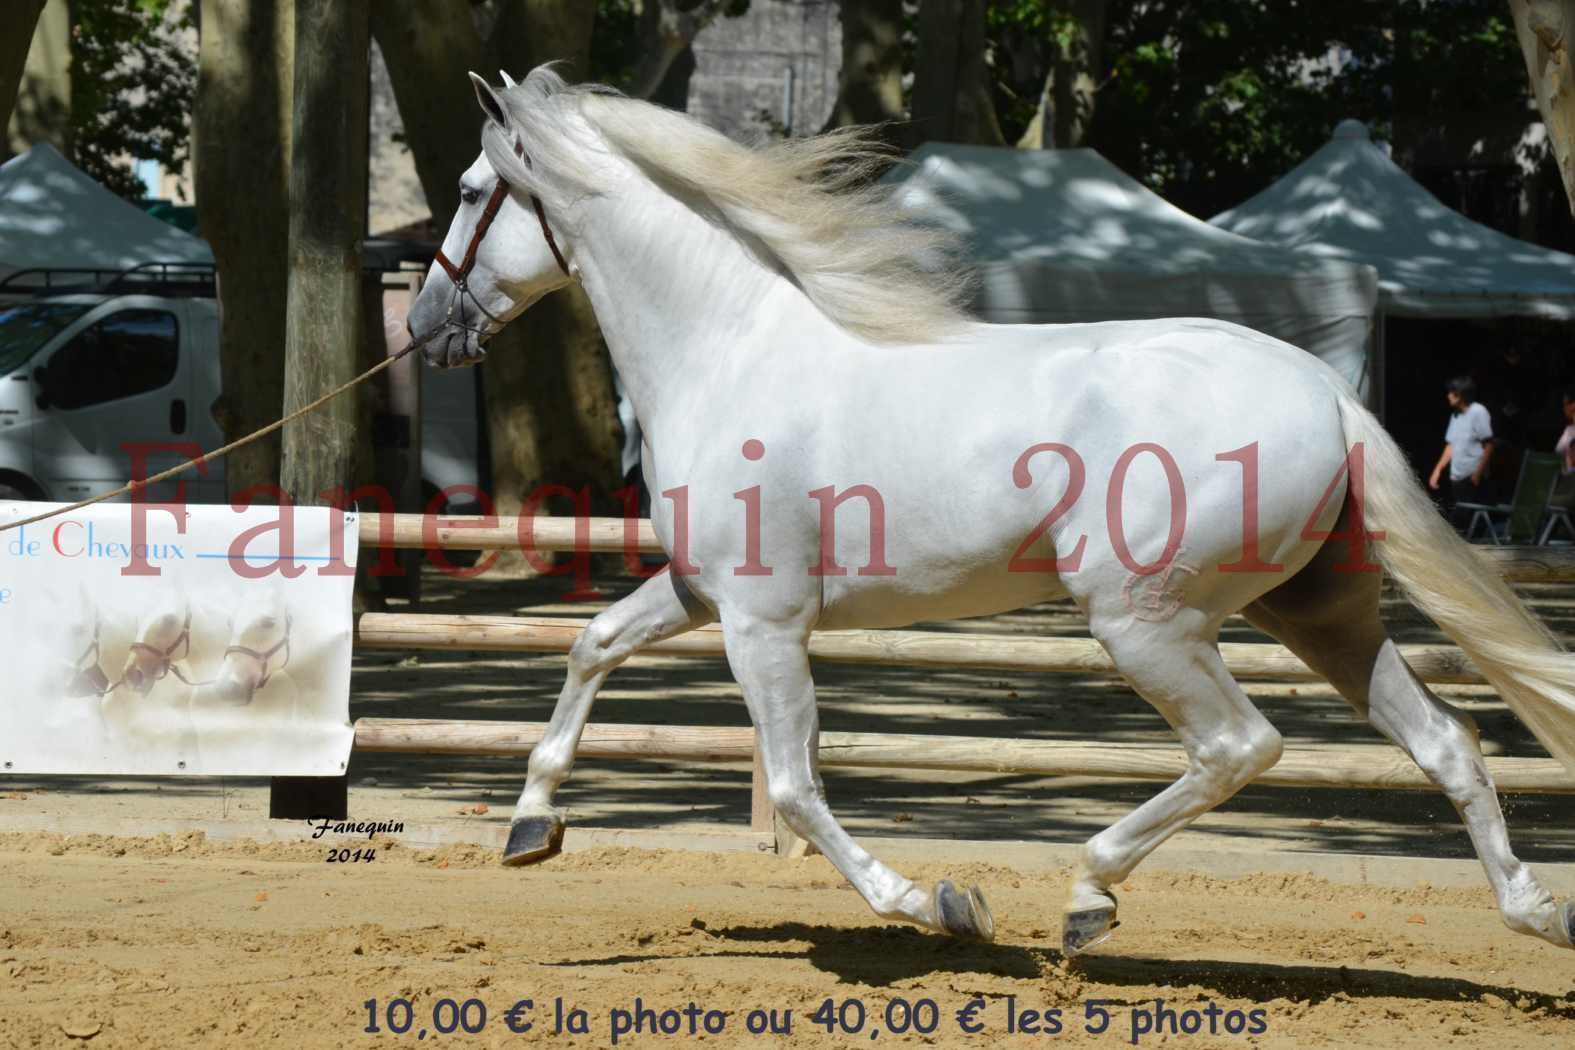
(198, 650)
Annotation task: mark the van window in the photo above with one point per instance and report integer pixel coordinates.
(129, 353)
(25, 328)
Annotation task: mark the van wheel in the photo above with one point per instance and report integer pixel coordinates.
(10, 493)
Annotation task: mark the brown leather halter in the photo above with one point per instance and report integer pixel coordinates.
(460, 274)
(166, 657)
(263, 656)
(89, 679)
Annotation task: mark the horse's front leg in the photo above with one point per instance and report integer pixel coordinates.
(771, 662)
(660, 608)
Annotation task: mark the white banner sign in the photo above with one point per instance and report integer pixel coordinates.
(200, 641)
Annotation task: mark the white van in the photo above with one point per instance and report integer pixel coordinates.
(84, 376)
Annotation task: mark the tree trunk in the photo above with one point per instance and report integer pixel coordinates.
(951, 87)
(552, 417)
(18, 19)
(327, 223)
(244, 81)
(530, 32)
(667, 28)
(428, 46)
(1066, 106)
(550, 410)
(869, 89)
(1544, 28)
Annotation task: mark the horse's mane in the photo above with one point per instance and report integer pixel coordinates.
(810, 202)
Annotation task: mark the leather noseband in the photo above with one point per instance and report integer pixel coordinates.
(460, 274)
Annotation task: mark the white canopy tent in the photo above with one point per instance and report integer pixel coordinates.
(52, 215)
(1349, 201)
(1066, 236)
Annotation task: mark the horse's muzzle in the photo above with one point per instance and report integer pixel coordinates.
(228, 690)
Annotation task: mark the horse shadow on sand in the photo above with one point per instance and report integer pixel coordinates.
(880, 956)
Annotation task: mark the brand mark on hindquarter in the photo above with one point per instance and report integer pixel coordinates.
(1158, 596)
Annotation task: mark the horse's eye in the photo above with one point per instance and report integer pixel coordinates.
(468, 195)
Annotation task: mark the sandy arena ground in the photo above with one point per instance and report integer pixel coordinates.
(175, 942)
(182, 941)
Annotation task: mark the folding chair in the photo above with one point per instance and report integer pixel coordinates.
(1539, 472)
(1558, 513)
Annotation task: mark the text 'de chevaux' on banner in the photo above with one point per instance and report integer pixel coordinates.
(199, 640)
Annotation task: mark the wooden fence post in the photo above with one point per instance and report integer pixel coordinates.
(309, 798)
(764, 817)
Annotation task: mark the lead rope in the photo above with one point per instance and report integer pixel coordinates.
(218, 453)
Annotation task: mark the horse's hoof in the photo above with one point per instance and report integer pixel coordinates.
(1082, 930)
(964, 915)
(533, 839)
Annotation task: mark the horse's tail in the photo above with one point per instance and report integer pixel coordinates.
(1462, 593)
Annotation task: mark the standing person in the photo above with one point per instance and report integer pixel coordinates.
(1468, 445)
(1566, 446)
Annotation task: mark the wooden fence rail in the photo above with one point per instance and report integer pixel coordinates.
(1249, 661)
(595, 535)
(1370, 767)
(616, 535)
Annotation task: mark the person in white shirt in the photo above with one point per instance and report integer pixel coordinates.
(1468, 443)
(1566, 446)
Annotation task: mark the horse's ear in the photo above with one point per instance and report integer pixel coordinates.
(508, 81)
(491, 104)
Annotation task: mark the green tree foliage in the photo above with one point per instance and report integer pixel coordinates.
(1221, 96)
(1208, 101)
(615, 42)
(133, 82)
(1025, 37)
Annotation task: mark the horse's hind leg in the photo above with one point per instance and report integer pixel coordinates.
(1330, 619)
(771, 663)
(659, 608)
(1175, 666)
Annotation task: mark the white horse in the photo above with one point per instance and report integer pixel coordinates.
(248, 704)
(74, 652)
(177, 647)
(785, 357)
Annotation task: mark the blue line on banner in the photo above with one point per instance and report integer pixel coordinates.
(269, 557)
